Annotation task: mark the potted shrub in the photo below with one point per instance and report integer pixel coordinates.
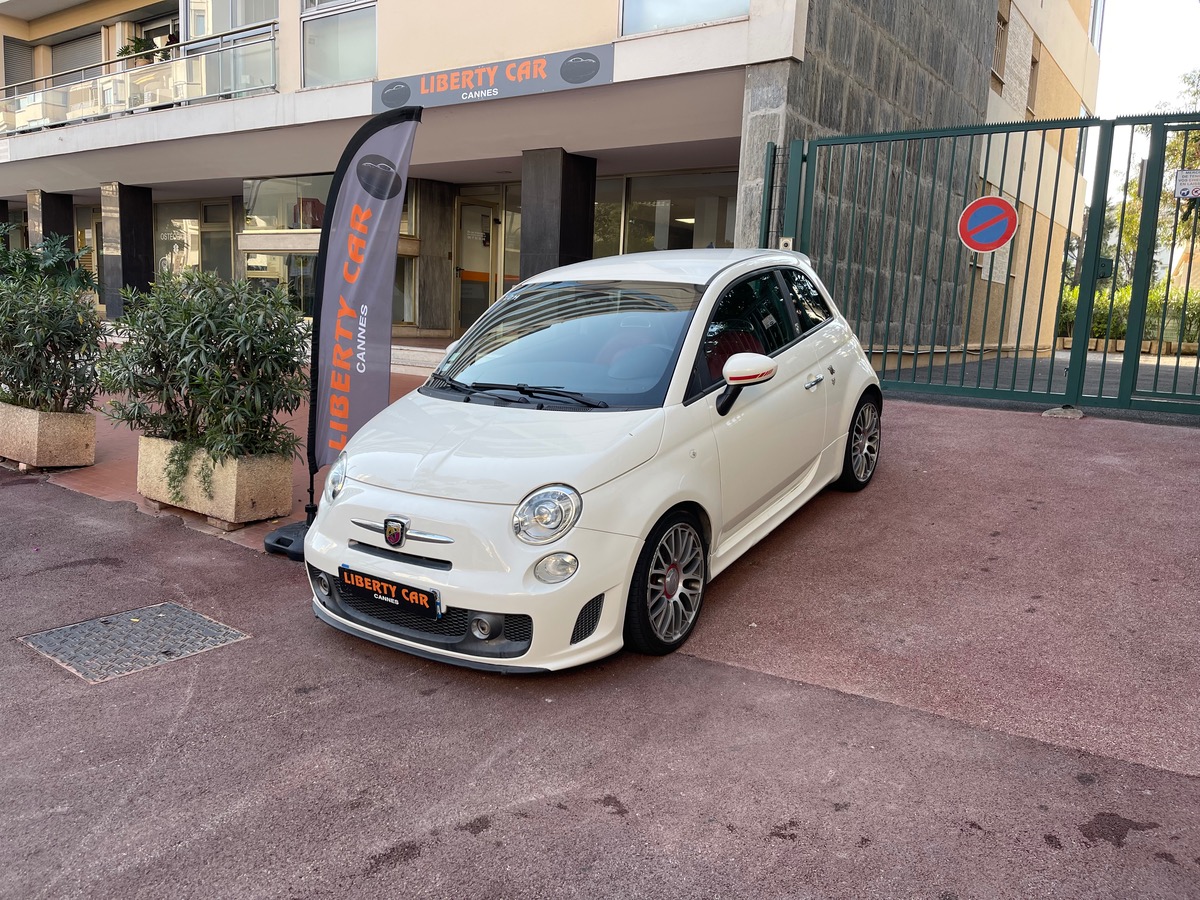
(139, 51)
(50, 335)
(205, 370)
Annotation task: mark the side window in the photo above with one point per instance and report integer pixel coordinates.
(752, 317)
(811, 307)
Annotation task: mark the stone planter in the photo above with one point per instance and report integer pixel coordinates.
(47, 440)
(245, 489)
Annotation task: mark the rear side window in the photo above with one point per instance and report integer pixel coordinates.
(811, 308)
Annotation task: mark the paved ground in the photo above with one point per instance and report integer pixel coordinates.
(978, 678)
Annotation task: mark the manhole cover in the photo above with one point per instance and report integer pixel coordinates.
(115, 645)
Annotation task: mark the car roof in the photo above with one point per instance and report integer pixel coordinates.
(672, 266)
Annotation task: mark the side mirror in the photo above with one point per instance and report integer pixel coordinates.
(742, 370)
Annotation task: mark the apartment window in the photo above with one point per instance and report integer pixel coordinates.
(74, 54)
(1031, 103)
(18, 64)
(641, 16)
(339, 41)
(1000, 51)
(206, 17)
(1096, 23)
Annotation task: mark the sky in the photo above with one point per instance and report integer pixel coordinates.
(1145, 47)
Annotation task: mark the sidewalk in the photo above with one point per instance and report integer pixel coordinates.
(114, 476)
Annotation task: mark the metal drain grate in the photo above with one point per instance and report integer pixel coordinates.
(116, 645)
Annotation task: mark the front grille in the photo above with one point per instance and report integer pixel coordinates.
(518, 628)
(453, 622)
(589, 618)
(427, 562)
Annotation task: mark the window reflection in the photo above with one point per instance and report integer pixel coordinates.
(277, 204)
(676, 212)
(639, 16)
(339, 48)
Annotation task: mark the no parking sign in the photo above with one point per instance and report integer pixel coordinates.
(987, 224)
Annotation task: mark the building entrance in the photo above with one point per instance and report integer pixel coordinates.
(475, 264)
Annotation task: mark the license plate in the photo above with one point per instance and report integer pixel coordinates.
(418, 601)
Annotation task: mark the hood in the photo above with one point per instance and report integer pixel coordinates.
(498, 454)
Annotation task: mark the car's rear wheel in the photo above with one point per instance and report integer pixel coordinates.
(667, 590)
(862, 445)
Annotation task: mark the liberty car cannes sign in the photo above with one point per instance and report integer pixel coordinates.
(520, 77)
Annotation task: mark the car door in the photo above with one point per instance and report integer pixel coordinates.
(827, 343)
(775, 430)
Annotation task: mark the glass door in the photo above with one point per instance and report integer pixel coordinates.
(475, 266)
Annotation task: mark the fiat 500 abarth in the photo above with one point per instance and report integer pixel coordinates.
(599, 445)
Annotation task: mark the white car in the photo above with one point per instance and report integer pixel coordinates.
(603, 442)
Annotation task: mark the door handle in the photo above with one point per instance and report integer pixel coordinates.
(808, 386)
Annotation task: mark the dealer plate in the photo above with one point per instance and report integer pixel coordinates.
(418, 601)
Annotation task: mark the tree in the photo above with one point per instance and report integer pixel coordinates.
(1176, 220)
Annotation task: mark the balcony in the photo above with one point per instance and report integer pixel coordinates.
(234, 64)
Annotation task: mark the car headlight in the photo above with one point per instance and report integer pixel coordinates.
(336, 479)
(547, 514)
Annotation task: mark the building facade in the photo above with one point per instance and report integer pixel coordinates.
(202, 134)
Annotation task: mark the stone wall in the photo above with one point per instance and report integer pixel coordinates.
(869, 66)
(882, 65)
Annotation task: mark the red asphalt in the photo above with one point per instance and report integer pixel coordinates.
(977, 678)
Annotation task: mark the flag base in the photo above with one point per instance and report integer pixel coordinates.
(287, 539)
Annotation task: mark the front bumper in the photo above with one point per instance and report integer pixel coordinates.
(483, 570)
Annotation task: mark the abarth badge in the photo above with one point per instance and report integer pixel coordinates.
(395, 529)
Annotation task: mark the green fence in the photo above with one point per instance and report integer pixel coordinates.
(1094, 301)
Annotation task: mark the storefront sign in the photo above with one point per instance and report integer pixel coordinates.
(542, 74)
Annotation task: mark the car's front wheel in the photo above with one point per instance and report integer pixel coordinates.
(862, 445)
(667, 590)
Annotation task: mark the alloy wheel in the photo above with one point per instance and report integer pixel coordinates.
(676, 582)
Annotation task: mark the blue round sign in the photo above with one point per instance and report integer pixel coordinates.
(987, 224)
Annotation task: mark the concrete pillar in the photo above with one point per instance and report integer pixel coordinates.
(127, 248)
(772, 112)
(558, 209)
(435, 272)
(51, 214)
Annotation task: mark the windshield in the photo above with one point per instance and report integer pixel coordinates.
(608, 343)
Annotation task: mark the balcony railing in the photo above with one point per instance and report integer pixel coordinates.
(234, 64)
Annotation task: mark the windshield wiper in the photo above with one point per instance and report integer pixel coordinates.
(536, 390)
(440, 380)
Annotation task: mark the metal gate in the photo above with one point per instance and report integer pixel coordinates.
(1094, 301)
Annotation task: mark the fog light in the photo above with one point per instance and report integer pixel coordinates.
(323, 584)
(556, 567)
(486, 626)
